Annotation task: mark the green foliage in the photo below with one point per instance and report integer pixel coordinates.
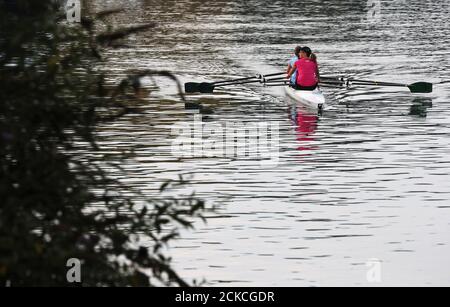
(51, 101)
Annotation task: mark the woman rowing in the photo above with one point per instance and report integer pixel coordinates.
(307, 71)
(291, 63)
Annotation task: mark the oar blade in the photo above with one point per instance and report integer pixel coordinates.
(191, 87)
(206, 88)
(421, 87)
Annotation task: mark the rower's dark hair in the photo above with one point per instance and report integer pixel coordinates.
(297, 50)
(307, 50)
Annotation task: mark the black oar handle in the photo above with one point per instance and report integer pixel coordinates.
(276, 84)
(342, 79)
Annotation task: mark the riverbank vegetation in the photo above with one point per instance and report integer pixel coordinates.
(57, 204)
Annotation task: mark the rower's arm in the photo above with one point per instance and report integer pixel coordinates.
(291, 71)
(289, 68)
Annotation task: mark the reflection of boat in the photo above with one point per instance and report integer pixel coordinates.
(311, 99)
(306, 125)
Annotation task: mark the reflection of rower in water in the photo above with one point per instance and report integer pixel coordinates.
(306, 126)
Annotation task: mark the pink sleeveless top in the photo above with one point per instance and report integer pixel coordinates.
(307, 72)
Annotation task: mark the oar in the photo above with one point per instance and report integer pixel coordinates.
(418, 87)
(333, 78)
(275, 84)
(264, 80)
(332, 82)
(322, 83)
(193, 87)
(326, 80)
(207, 88)
(288, 81)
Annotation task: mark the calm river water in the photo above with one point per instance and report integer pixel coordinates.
(367, 182)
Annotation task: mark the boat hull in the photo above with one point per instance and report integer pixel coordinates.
(311, 99)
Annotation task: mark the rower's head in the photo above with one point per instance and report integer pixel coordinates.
(297, 51)
(305, 52)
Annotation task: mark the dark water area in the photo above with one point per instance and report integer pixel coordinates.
(368, 179)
